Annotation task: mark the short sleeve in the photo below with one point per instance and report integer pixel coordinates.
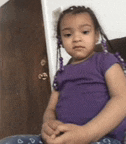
(106, 61)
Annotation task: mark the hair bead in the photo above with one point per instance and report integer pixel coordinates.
(104, 45)
(61, 64)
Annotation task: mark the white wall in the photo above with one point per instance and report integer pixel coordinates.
(110, 13)
(2, 2)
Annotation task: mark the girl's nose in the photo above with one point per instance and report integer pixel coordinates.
(77, 38)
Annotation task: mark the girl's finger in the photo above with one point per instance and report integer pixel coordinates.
(62, 128)
(53, 136)
(56, 140)
(45, 136)
(46, 129)
(54, 124)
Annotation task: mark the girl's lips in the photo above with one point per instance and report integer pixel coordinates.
(78, 47)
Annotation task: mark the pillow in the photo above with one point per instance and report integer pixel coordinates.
(119, 45)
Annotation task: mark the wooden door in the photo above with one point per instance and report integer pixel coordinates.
(23, 96)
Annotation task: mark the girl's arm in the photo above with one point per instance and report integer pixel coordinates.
(49, 118)
(115, 110)
(50, 110)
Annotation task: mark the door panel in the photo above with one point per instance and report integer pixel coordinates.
(23, 96)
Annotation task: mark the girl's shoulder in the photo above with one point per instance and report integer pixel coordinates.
(105, 57)
(105, 60)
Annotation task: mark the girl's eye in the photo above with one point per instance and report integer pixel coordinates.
(67, 35)
(85, 32)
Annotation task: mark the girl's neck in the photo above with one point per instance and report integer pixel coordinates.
(74, 61)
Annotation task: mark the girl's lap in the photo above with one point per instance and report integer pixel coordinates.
(108, 141)
(36, 139)
(22, 139)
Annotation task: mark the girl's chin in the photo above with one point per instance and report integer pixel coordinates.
(78, 60)
(83, 57)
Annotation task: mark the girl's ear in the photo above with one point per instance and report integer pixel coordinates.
(97, 36)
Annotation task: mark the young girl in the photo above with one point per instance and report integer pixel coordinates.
(88, 103)
(89, 100)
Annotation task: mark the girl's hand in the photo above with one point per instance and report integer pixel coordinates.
(72, 134)
(49, 129)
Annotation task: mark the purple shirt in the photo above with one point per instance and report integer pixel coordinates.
(83, 91)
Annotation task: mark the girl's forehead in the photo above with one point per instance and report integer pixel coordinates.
(70, 20)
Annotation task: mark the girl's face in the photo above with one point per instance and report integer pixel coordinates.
(78, 36)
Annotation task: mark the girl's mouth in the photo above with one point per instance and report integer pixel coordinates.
(78, 47)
